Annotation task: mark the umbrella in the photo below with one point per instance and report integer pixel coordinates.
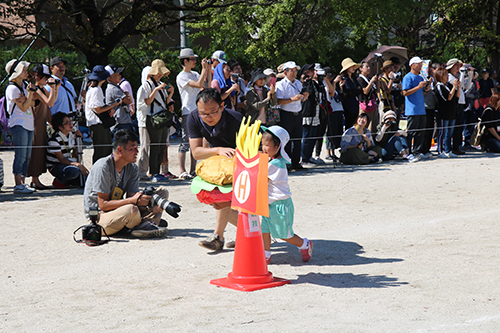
(387, 52)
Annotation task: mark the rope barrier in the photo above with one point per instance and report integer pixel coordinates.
(294, 139)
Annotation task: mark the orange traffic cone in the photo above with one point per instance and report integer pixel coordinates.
(249, 266)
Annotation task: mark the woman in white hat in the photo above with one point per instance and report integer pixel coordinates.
(351, 89)
(19, 96)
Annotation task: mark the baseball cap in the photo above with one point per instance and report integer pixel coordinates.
(112, 69)
(290, 65)
(56, 60)
(415, 60)
(220, 56)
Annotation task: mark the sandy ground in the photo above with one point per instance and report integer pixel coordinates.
(398, 247)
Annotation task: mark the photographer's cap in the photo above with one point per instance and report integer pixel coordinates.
(284, 137)
(56, 60)
(269, 71)
(452, 62)
(415, 60)
(319, 69)
(187, 53)
(290, 65)
(220, 56)
(42, 70)
(112, 69)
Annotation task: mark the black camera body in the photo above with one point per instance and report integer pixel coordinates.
(170, 207)
(92, 233)
(209, 61)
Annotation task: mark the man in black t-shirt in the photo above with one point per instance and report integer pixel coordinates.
(217, 126)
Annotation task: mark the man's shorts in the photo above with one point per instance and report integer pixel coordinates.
(280, 220)
(184, 146)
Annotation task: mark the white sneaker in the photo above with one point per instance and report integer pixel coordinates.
(443, 155)
(450, 154)
(23, 189)
(411, 158)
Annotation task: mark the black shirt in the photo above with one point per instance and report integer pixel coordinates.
(490, 119)
(485, 87)
(223, 134)
(446, 109)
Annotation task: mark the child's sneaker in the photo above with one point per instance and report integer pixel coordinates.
(307, 253)
(213, 243)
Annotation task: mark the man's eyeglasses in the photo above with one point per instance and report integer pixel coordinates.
(192, 59)
(209, 115)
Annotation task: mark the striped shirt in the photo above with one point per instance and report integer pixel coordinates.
(59, 142)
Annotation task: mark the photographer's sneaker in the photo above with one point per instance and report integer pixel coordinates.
(159, 178)
(213, 243)
(307, 253)
(148, 229)
(23, 189)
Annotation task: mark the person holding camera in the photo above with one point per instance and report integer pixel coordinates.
(351, 90)
(158, 95)
(259, 97)
(447, 96)
(41, 115)
(392, 139)
(212, 131)
(189, 84)
(62, 155)
(19, 97)
(236, 77)
(454, 67)
(368, 97)
(66, 95)
(113, 188)
(227, 89)
(96, 111)
(114, 92)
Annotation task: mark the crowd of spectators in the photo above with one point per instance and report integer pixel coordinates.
(362, 115)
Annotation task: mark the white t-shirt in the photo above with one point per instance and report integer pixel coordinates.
(18, 117)
(188, 94)
(148, 87)
(278, 188)
(141, 106)
(93, 100)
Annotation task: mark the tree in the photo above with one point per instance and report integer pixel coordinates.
(96, 27)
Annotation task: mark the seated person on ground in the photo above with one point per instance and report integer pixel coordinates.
(392, 139)
(113, 187)
(357, 145)
(62, 153)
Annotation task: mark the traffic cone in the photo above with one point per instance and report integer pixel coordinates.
(249, 266)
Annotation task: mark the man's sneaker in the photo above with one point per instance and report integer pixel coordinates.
(212, 243)
(144, 177)
(148, 229)
(458, 152)
(230, 245)
(450, 154)
(411, 158)
(428, 154)
(329, 158)
(317, 160)
(23, 189)
(308, 164)
(423, 156)
(163, 223)
(307, 253)
(159, 178)
(170, 175)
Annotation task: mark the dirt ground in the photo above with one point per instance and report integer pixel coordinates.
(398, 247)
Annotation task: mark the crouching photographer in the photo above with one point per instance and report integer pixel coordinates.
(113, 188)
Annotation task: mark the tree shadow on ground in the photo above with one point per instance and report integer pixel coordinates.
(349, 280)
(326, 253)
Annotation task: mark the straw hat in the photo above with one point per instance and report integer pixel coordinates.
(387, 63)
(348, 63)
(158, 67)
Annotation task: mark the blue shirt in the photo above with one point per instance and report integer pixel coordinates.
(414, 103)
(65, 99)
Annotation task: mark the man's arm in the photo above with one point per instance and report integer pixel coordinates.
(138, 199)
(200, 152)
(411, 91)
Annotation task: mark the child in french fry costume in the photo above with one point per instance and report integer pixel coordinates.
(280, 221)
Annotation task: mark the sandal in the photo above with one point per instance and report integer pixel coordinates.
(185, 176)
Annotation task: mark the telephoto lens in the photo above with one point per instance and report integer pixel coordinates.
(170, 207)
